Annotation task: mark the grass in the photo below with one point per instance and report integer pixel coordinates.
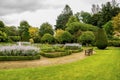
(104, 65)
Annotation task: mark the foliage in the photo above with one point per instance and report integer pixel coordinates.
(101, 39)
(47, 38)
(62, 19)
(3, 37)
(19, 58)
(58, 35)
(56, 54)
(14, 38)
(109, 29)
(2, 25)
(115, 43)
(18, 51)
(34, 34)
(73, 46)
(63, 36)
(46, 28)
(31, 41)
(84, 17)
(72, 25)
(11, 31)
(108, 11)
(24, 30)
(116, 22)
(87, 38)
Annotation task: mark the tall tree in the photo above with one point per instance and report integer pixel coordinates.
(2, 25)
(62, 19)
(24, 30)
(85, 17)
(108, 11)
(46, 28)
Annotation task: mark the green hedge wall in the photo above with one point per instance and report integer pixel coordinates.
(18, 58)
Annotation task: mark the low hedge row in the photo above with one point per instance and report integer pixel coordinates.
(76, 51)
(18, 58)
(114, 43)
(56, 54)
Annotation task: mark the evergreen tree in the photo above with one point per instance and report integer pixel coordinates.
(62, 19)
(101, 39)
(24, 30)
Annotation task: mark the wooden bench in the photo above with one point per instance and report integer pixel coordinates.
(89, 52)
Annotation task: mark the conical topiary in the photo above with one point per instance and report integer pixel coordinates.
(101, 39)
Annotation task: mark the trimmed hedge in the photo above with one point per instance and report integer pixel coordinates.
(114, 43)
(18, 58)
(57, 54)
(76, 51)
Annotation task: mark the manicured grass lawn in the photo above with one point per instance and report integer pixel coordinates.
(104, 65)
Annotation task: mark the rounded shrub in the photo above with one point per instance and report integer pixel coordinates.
(101, 39)
(47, 38)
(87, 37)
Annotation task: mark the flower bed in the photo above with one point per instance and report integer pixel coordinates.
(15, 52)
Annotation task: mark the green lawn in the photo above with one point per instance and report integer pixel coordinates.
(104, 65)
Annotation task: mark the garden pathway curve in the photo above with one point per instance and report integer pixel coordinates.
(42, 62)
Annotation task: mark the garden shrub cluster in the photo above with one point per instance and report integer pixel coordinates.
(115, 43)
(52, 51)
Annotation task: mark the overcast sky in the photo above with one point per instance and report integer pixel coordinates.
(38, 11)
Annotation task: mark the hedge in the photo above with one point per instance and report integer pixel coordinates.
(114, 43)
(56, 54)
(18, 58)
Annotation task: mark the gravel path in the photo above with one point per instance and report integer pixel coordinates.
(42, 62)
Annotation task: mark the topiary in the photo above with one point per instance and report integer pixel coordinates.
(101, 39)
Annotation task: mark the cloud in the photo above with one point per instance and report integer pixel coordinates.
(17, 6)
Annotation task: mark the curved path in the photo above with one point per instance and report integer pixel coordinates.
(42, 62)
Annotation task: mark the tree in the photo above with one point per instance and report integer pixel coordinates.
(87, 38)
(46, 28)
(2, 25)
(106, 13)
(84, 17)
(101, 39)
(3, 37)
(11, 31)
(47, 38)
(63, 36)
(116, 22)
(62, 19)
(95, 9)
(24, 30)
(34, 34)
(108, 27)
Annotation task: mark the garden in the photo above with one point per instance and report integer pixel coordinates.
(81, 46)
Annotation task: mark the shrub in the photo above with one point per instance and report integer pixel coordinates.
(87, 37)
(14, 38)
(18, 58)
(56, 54)
(3, 37)
(47, 48)
(101, 39)
(114, 43)
(47, 38)
(72, 46)
(18, 51)
(31, 40)
(63, 36)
